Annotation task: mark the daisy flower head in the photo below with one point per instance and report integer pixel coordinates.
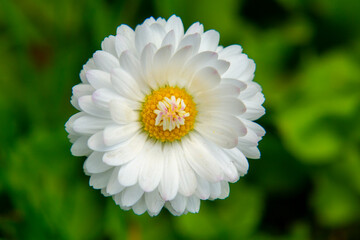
(166, 116)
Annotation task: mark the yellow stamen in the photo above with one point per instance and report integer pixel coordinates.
(168, 114)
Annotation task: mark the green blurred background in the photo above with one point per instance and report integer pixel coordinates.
(306, 184)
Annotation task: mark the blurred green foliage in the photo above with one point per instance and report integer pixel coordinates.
(305, 186)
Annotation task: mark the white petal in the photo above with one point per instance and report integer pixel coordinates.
(126, 85)
(161, 21)
(113, 186)
(253, 111)
(201, 60)
(143, 36)
(103, 192)
(193, 204)
(176, 67)
(255, 101)
(100, 180)
(72, 137)
(221, 135)
(250, 152)
(103, 96)
(140, 207)
(117, 198)
(260, 131)
(86, 104)
(205, 79)
(209, 41)
(201, 160)
(129, 173)
(160, 63)
(69, 124)
(226, 164)
(157, 34)
(169, 183)
(191, 40)
(224, 160)
(175, 24)
(125, 31)
(116, 134)
(96, 143)
(238, 158)
(146, 60)
(121, 113)
(187, 178)
(94, 163)
(181, 56)
(238, 64)
(251, 90)
(98, 79)
(82, 90)
(80, 147)
(154, 202)
(108, 45)
(162, 56)
(179, 203)
(74, 102)
(215, 189)
(171, 209)
(216, 119)
(105, 61)
(149, 21)
(203, 188)
(89, 125)
(147, 56)
(248, 73)
(152, 168)
(195, 28)
(220, 91)
(126, 152)
(90, 64)
(236, 83)
(250, 139)
(228, 105)
(230, 51)
(82, 76)
(122, 43)
(130, 63)
(131, 195)
(221, 66)
(225, 190)
(169, 39)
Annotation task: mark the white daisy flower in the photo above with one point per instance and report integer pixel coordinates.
(166, 117)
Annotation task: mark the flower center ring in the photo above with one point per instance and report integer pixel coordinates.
(168, 114)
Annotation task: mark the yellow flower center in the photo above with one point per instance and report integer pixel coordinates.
(168, 114)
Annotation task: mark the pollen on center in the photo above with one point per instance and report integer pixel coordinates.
(168, 114)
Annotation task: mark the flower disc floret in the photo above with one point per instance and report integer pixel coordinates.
(168, 114)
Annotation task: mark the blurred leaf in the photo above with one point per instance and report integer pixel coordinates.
(335, 204)
(236, 218)
(343, 13)
(275, 165)
(213, 14)
(148, 228)
(114, 225)
(298, 30)
(45, 188)
(315, 118)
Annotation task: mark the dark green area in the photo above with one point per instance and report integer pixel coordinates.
(306, 184)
